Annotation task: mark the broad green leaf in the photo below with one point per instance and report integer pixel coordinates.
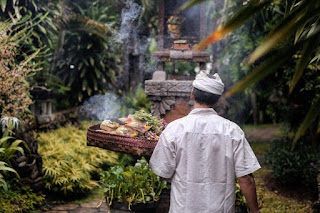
(312, 115)
(237, 20)
(258, 73)
(5, 139)
(3, 4)
(189, 4)
(303, 62)
(6, 168)
(15, 148)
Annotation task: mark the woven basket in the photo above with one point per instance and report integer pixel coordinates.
(129, 145)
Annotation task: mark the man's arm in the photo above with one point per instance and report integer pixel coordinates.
(248, 189)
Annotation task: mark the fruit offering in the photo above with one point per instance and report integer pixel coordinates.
(141, 124)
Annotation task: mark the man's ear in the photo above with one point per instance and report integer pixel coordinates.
(192, 95)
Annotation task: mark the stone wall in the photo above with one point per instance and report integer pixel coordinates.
(52, 121)
(170, 98)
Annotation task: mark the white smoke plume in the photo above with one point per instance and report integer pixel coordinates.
(101, 107)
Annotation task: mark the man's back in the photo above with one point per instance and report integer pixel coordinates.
(203, 153)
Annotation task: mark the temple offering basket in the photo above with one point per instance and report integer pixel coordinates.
(119, 143)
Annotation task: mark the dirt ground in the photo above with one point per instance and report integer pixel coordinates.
(263, 135)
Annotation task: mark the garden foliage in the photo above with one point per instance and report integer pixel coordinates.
(135, 100)
(19, 199)
(9, 146)
(294, 168)
(15, 67)
(68, 163)
(131, 184)
(84, 61)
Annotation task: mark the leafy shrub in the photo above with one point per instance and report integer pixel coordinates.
(69, 164)
(19, 199)
(9, 146)
(15, 67)
(85, 61)
(132, 184)
(293, 167)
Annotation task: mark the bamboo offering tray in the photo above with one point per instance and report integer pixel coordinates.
(119, 143)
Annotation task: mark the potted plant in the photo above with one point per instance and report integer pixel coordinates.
(132, 187)
(174, 25)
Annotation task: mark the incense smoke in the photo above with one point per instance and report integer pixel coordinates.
(101, 107)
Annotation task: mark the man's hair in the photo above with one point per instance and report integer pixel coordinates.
(205, 98)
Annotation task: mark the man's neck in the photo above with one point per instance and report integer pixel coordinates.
(197, 105)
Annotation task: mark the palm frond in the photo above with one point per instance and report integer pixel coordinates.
(303, 62)
(76, 22)
(284, 30)
(263, 70)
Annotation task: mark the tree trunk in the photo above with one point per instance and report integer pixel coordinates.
(253, 98)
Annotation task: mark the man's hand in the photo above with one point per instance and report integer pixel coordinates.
(248, 189)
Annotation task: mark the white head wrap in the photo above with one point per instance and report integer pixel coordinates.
(212, 85)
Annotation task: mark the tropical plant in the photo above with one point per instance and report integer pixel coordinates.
(15, 66)
(131, 184)
(295, 35)
(9, 125)
(69, 164)
(85, 60)
(9, 146)
(42, 36)
(3, 169)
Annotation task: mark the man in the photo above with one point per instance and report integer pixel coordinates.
(202, 153)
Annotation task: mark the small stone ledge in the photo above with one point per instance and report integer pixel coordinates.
(167, 95)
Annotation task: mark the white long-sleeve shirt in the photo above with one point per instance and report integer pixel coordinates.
(203, 153)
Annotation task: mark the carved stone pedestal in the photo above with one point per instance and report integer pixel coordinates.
(170, 98)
